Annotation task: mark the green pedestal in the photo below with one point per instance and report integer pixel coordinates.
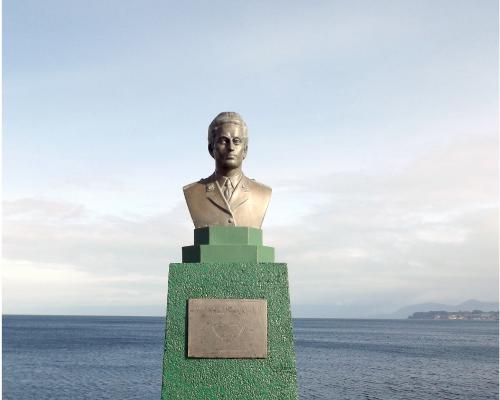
(227, 244)
(273, 377)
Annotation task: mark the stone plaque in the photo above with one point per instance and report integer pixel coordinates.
(227, 328)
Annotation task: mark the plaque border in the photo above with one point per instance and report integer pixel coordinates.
(237, 354)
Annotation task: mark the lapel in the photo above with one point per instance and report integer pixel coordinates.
(214, 194)
(241, 193)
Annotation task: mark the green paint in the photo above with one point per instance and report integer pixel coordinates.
(228, 235)
(251, 379)
(227, 253)
(227, 244)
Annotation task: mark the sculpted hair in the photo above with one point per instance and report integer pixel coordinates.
(227, 117)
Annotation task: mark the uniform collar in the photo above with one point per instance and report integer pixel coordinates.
(235, 179)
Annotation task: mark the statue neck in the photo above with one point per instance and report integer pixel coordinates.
(230, 173)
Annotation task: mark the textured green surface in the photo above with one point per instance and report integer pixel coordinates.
(191, 379)
(228, 235)
(227, 253)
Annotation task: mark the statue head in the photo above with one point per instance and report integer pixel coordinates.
(228, 141)
(237, 200)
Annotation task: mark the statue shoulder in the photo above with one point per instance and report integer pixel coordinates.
(190, 187)
(260, 187)
(201, 184)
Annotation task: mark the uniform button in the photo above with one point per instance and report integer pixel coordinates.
(230, 220)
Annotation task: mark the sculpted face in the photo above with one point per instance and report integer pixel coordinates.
(229, 147)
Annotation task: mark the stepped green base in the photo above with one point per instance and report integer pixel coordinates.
(208, 379)
(227, 244)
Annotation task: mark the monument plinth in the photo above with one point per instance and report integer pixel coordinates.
(229, 327)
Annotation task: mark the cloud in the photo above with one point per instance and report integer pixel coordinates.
(34, 209)
(63, 233)
(61, 257)
(37, 287)
(423, 232)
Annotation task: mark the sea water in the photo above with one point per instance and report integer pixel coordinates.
(65, 357)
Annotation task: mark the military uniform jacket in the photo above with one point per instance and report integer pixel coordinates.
(246, 207)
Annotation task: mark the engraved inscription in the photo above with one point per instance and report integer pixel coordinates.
(227, 328)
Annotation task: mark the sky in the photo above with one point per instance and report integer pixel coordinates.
(375, 123)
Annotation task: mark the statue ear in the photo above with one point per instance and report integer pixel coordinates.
(211, 149)
(245, 151)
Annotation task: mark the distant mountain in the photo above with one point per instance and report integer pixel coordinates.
(471, 305)
(468, 305)
(377, 311)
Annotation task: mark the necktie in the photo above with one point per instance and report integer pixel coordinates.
(228, 189)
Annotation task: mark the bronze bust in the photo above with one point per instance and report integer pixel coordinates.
(227, 197)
